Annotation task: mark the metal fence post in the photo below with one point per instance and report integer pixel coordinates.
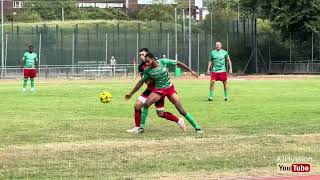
(198, 53)
(168, 46)
(176, 33)
(106, 48)
(227, 42)
(72, 58)
(269, 53)
(6, 56)
(40, 39)
(312, 52)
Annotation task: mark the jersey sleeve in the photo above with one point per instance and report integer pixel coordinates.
(227, 55)
(168, 62)
(145, 76)
(211, 56)
(140, 69)
(24, 57)
(36, 57)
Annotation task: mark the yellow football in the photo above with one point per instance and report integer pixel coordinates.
(105, 96)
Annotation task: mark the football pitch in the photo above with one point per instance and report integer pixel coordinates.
(64, 132)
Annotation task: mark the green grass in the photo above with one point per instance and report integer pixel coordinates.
(63, 131)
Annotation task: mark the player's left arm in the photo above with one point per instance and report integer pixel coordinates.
(22, 63)
(36, 62)
(185, 67)
(229, 64)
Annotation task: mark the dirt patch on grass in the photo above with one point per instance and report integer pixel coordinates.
(222, 157)
(220, 145)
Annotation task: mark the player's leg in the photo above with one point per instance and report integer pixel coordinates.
(174, 99)
(137, 110)
(224, 77)
(167, 115)
(32, 76)
(32, 85)
(25, 81)
(152, 98)
(137, 114)
(225, 86)
(211, 89)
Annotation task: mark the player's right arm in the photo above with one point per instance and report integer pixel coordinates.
(22, 62)
(138, 86)
(209, 66)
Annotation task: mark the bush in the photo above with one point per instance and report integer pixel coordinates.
(96, 13)
(26, 16)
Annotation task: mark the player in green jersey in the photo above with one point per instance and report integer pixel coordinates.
(158, 71)
(217, 68)
(29, 64)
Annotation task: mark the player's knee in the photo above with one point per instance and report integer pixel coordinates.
(138, 106)
(183, 113)
(146, 104)
(160, 114)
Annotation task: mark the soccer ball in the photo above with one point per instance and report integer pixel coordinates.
(105, 96)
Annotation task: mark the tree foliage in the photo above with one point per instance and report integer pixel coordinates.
(52, 10)
(159, 11)
(287, 15)
(223, 9)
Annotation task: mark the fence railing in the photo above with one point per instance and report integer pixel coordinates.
(250, 53)
(53, 71)
(296, 67)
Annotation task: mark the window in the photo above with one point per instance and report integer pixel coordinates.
(86, 4)
(115, 5)
(17, 4)
(101, 5)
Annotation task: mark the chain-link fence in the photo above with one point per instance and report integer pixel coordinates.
(77, 47)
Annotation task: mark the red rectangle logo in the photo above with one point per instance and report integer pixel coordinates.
(300, 168)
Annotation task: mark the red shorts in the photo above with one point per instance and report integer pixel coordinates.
(166, 91)
(219, 76)
(143, 97)
(29, 73)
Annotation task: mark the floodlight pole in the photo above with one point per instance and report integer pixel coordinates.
(189, 33)
(62, 14)
(184, 28)
(40, 44)
(2, 50)
(6, 56)
(211, 34)
(176, 33)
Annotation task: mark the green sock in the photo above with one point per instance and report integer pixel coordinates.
(25, 81)
(32, 82)
(226, 94)
(192, 121)
(211, 94)
(143, 117)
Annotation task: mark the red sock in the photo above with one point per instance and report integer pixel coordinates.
(137, 117)
(170, 117)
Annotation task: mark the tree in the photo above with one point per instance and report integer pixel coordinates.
(287, 15)
(52, 10)
(223, 9)
(98, 13)
(159, 11)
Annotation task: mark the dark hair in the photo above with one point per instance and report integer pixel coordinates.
(150, 55)
(144, 49)
(30, 46)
